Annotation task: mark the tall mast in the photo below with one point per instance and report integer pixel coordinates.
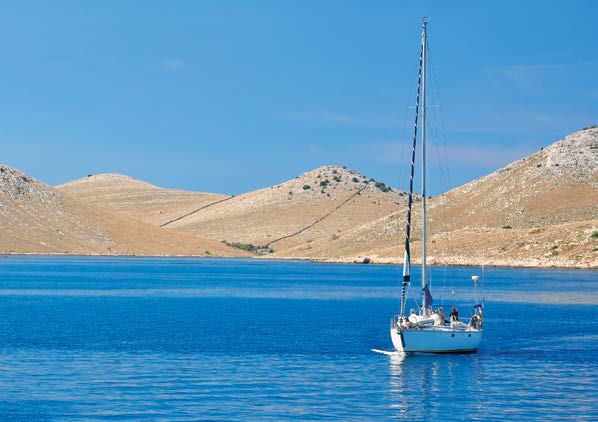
(423, 125)
(407, 262)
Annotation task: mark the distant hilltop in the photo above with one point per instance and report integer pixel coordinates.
(538, 211)
(317, 203)
(36, 218)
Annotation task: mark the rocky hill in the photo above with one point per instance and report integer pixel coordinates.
(556, 185)
(136, 198)
(539, 211)
(36, 218)
(317, 204)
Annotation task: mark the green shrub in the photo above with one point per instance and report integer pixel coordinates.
(355, 180)
(306, 187)
(324, 183)
(594, 235)
(243, 246)
(507, 227)
(334, 171)
(337, 179)
(382, 186)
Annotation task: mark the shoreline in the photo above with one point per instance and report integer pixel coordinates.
(314, 260)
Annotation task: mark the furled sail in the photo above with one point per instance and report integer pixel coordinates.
(407, 263)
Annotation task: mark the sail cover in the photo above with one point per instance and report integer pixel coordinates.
(428, 301)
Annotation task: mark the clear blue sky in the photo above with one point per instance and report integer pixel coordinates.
(229, 96)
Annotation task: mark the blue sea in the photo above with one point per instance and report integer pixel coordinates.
(225, 339)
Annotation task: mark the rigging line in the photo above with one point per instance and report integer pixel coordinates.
(443, 123)
(435, 225)
(445, 178)
(443, 208)
(415, 299)
(445, 229)
(444, 173)
(434, 136)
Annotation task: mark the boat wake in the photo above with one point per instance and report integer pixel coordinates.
(386, 352)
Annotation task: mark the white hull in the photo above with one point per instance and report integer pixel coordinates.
(436, 340)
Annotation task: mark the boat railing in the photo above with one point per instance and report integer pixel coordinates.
(394, 323)
(446, 328)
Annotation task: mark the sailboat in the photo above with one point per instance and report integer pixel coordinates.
(426, 330)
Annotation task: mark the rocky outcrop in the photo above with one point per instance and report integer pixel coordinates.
(538, 211)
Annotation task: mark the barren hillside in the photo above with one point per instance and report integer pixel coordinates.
(316, 204)
(556, 185)
(539, 211)
(136, 198)
(36, 218)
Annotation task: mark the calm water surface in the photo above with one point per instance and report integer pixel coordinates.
(189, 339)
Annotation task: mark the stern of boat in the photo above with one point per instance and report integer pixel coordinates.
(395, 334)
(435, 339)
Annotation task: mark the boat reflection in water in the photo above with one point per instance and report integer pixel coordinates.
(425, 386)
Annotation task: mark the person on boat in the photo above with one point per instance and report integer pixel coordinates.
(438, 320)
(442, 315)
(454, 315)
(412, 316)
(475, 322)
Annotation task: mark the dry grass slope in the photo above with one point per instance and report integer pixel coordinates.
(136, 198)
(36, 218)
(538, 211)
(319, 203)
